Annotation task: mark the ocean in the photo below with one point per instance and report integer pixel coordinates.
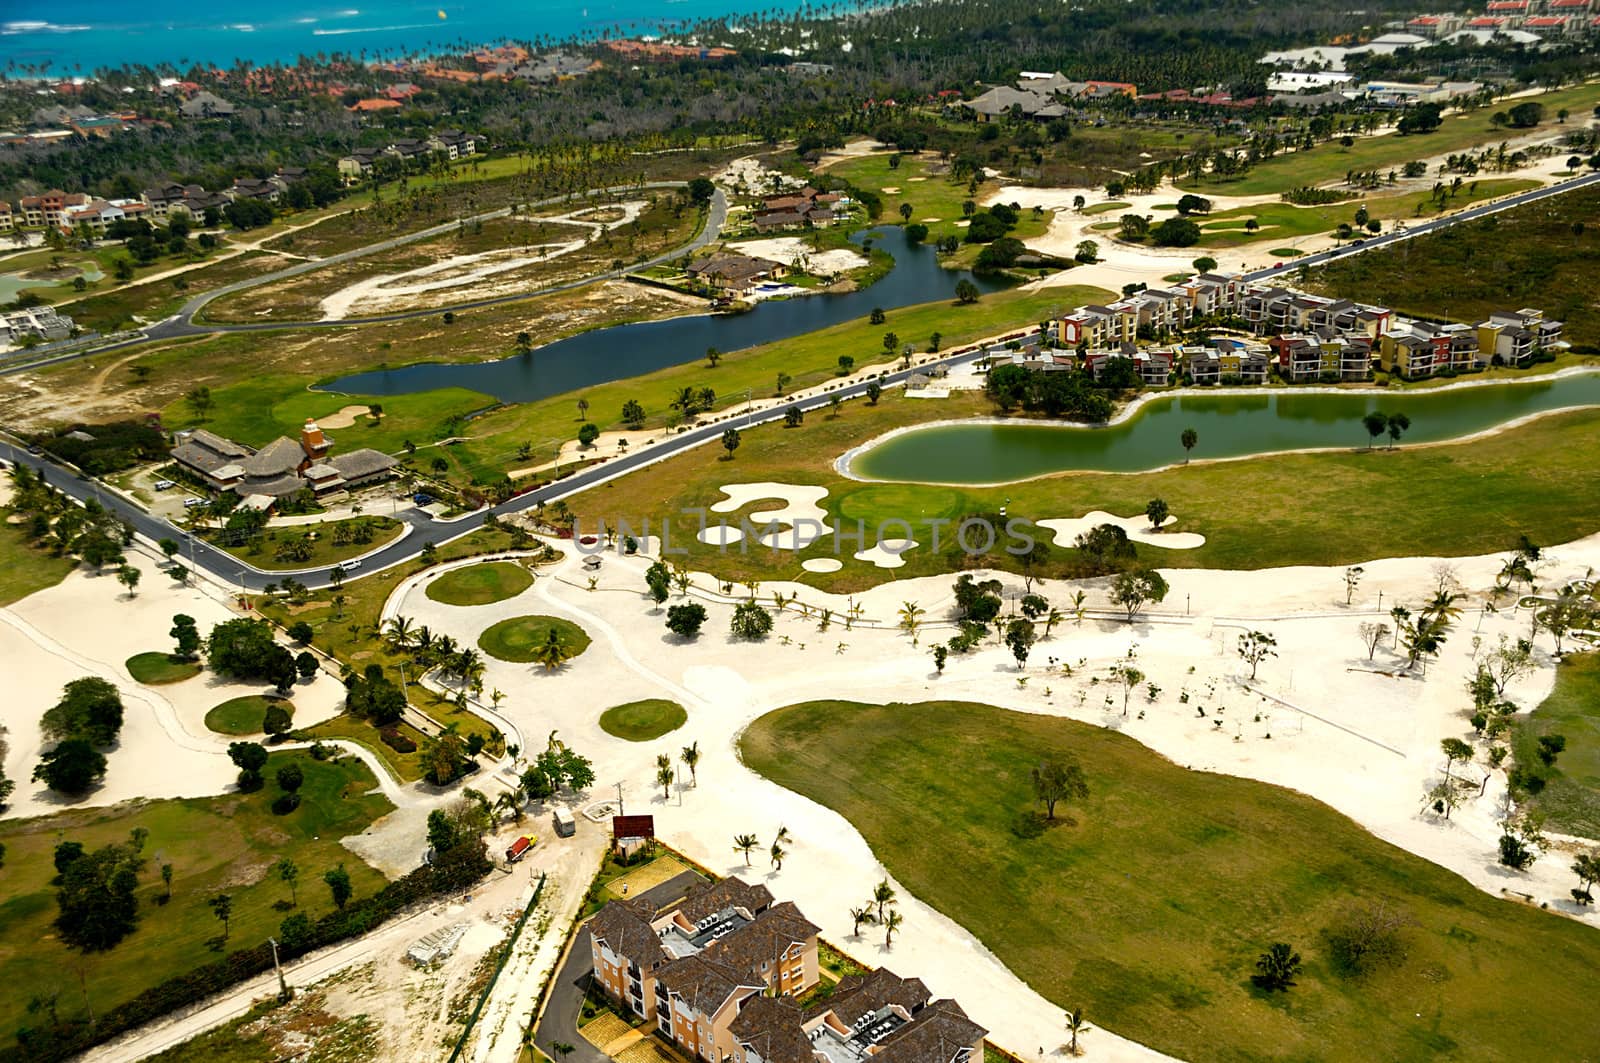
(72, 37)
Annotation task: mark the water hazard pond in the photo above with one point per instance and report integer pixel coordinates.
(624, 351)
(1229, 425)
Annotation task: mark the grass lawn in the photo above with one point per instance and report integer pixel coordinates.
(809, 359)
(25, 568)
(243, 716)
(1286, 252)
(1330, 162)
(1527, 256)
(643, 721)
(1103, 208)
(483, 584)
(266, 551)
(1147, 903)
(924, 183)
(1280, 220)
(1570, 800)
(1330, 508)
(516, 639)
(109, 306)
(156, 668)
(218, 843)
(407, 767)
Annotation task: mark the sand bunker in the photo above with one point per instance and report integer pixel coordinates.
(720, 535)
(345, 418)
(1138, 529)
(886, 553)
(800, 522)
(822, 564)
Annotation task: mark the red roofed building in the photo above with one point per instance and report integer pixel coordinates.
(1486, 22)
(1568, 5)
(629, 834)
(1547, 25)
(364, 106)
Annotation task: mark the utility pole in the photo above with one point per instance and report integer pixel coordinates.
(283, 987)
(619, 799)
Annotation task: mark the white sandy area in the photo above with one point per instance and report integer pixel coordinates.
(393, 290)
(886, 553)
(822, 564)
(1364, 742)
(791, 249)
(1138, 529)
(346, 417)
(87, 625)
(800, 520)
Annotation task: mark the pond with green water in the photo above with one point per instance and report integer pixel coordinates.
(1230, 425)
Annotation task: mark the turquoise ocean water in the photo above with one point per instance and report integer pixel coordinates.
(80, 36)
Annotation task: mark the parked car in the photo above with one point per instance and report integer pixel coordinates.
(163, 485)
(422, 498)
(190, 503)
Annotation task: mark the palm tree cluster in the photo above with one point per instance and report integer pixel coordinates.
(879, 911)
(1424, 634)
(463, 664)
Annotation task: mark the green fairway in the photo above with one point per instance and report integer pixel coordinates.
(518, 639)
(154, 668)
(1330, 161)
(228, 843)
(1147, 903)
(25, 568)
(1570, 800)
(1327, 508)
(643, 721)
(243, 716)
(481, 584)
(923, 183)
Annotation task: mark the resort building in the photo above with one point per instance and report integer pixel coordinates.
(40, 322)
(733, 273)
(280, 468)
(879, 1016)
(689, 969)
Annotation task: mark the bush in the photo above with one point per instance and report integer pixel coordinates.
(284, 804)
(301, 632)
(396, 741)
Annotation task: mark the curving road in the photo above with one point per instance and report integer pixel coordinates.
(424, 530)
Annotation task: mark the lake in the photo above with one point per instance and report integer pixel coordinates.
(624, 351)
(1229, 425)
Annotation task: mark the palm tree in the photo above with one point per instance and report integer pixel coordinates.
(778, 853)
(1075, 1026)
(859, 916)
(882, 895)
(890, 925)
(744, 843)
(783, 834)
(911, 619)
(664, 775)
(1078, 607)
(691, 759)
(1055, 617)
(421, 643)
(511, 803)
(398, 632)
(552, 653)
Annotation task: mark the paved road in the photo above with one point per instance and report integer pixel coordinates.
(1421, 228)
(229, 569)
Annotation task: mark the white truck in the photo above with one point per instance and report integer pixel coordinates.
(565, 825)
